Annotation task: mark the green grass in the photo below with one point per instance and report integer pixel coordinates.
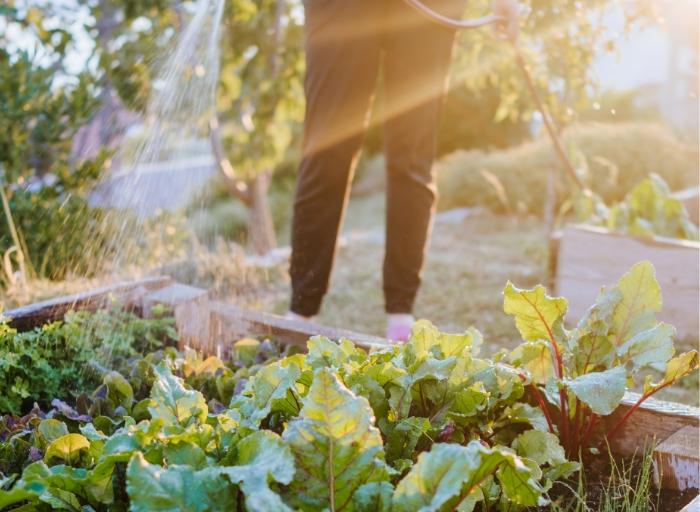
(626, 487)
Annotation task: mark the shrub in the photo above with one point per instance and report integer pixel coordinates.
(226, 218)
(214, 212)
(615, 157)
(45, 187)
(62, 234)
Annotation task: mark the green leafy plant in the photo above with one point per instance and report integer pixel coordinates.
(427, 425)
(48, 227)
(429, 393)
(186, 456)
(584, 372)
(302, 432)
(648, 210)
(64, 358)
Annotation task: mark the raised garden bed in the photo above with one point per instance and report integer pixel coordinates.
(213, 328)
(588, 258)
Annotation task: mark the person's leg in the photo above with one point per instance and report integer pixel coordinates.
(416, 67)
(342, 60)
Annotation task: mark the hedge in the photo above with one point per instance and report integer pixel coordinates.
(617, 156)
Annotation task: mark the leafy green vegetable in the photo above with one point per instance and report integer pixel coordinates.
(64, 358)
(272, 389)
(262, 456)
(537, 316)
(590, 367)
(176, 488)
(649, 209)
(335, 445)
(427, 425)
(68, 449)
(51, 429)
(447, 475)
(600, 391)
(174, 403)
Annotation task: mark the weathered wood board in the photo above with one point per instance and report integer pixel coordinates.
(229, 321)
(33, 315)
(653, 422)
(589, 258)
(677, 461)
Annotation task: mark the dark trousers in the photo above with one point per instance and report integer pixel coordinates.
(349, 43)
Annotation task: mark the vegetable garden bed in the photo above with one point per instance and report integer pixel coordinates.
(338, 428)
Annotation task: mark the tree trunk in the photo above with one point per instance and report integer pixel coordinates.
(261, 229)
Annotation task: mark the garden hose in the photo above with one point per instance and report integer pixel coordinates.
(460, 24)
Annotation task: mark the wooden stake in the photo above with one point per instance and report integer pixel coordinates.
(190, 306)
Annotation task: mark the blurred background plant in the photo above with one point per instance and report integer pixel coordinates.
(44, 188)
(613, 157)
(648, 210)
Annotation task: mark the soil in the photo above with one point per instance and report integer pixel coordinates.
(599, 482)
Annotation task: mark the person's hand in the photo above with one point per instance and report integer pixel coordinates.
(509, 11)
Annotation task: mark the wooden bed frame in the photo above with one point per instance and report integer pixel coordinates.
(583, 263)
(211, 326)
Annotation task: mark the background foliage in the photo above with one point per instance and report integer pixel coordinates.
(46, 188)
(612, 157)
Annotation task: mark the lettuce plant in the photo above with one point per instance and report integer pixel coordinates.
(584, 372)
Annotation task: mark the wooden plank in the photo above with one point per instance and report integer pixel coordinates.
(190, 307)
(231, 322)
(34, 315)
(677, 461)
(693, 506)
(590, 258)
(653, 422)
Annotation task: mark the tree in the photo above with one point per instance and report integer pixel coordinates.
(551, 62)
(260, 100)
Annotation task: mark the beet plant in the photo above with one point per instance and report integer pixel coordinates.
(426, 425)
(584, 372)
